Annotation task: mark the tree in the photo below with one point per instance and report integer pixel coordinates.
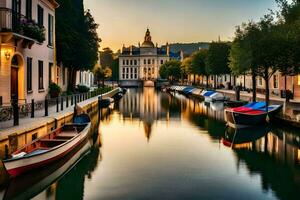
(198, 64)
(217, 59)
(77, 41)
(101, 74)
(185, 66)
(171, 70)
(106, 57)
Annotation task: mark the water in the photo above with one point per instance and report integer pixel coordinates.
(157, 146)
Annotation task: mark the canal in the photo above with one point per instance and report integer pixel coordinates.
(154, 145)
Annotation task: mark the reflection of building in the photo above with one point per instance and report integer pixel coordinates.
(26, 59)
(143, 105)
(143, 62)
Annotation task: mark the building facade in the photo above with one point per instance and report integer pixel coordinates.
(27, 47)
(142, 63)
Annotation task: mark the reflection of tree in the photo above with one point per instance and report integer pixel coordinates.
(282, 179)
(71, 186)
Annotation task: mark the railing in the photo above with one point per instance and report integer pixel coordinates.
(33, 109)
(10, 20)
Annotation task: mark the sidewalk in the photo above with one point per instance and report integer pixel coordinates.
(28, 124)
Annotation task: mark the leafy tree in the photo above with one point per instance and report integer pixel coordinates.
(217, 59)
(101, 74)
(77, 40)
(185, 66)
(171, 70)
(106, 57)
(198, 64)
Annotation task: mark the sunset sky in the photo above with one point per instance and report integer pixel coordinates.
(125, 21)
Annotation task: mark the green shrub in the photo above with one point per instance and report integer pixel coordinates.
(82, 89)
(54, 90)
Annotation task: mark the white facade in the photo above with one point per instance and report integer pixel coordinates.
(25, 62)
(85, 78)
(143, 62)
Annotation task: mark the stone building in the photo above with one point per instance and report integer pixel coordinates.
(27, 54)
(140, 65)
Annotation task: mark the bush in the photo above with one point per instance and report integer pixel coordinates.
(32, 30)
(82, 89)
(54, 90)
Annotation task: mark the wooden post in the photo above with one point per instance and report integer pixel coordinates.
(46, 107)
(15, 111)
(32, 108)
(72, 100)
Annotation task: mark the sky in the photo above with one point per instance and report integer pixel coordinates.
(184, 21)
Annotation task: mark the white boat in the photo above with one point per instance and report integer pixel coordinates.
(211, 96)
(48, 148)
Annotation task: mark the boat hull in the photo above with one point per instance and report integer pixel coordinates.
(20, 166)
(242, 120)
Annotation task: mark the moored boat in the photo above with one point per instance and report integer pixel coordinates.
(48, 148)
(252, 114)
(105, 102)
(210, 96)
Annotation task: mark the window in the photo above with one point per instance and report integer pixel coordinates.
(135, 76)
(34, 136)
(135, 62)
(131, 70)
(225, 78)
(123, 76)
(135, 70)
(145, 62)
(161, 62)
(130, 62)
(50, 72)
(123, 62)
(260, 81)
(50, 30)
(29, 74)
(127, 70)
(131, 76)
(29, 9)
(275, 81)
(152, 61)
(40, 19)
(41, 73)
(127, 62)
(126, 76)
(123, 70)
(149, 61)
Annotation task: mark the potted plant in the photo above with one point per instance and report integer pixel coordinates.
(54, 90)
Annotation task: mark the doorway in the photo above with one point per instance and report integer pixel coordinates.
(14, 78)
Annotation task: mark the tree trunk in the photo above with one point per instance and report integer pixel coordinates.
(194, 79)
(285, 89)
(72, 79)
(244, 82)
(253, 86)
(215, 82)
(207, 77)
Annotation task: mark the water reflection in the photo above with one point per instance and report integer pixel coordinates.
(153, 145)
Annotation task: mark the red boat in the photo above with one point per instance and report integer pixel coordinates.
(48, 148)
(252, 114)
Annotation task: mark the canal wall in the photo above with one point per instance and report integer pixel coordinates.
(15, 137)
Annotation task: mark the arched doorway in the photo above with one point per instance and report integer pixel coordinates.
(17, 77)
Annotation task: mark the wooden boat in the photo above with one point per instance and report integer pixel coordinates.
(28, 185)
(48, 148)
(251, 114)
(211, 96)
(104, 103)
(234, 104)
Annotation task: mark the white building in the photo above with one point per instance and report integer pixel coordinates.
(142, 63)
(26, 57)
(85, 78)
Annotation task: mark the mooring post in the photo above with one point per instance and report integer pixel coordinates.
(46, 107)
(61, 103)
(15, 111)
(32, 108)
(57, 104)
(67, 101)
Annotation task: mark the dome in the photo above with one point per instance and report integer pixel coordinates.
(148, 44)
(148, 40)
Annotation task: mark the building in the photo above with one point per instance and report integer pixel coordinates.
(85, 78)
(141, 64)
(27, 46)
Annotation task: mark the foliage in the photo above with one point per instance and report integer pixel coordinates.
(31, 29)
(171, 70)
(83, 89)
(198, 62)
(54, 90)
(77, 40)
(106, 57)
(217, 58)
(102, 73)
(115, 69)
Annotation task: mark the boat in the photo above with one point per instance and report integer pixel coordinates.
(124, 90)
(28, 185)
(188, 90)
(252, 114)
(118, 96)
(211, 96)
(48, 148)
(234, 104)
(105, 102)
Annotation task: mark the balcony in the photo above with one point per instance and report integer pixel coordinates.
(25, 30)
